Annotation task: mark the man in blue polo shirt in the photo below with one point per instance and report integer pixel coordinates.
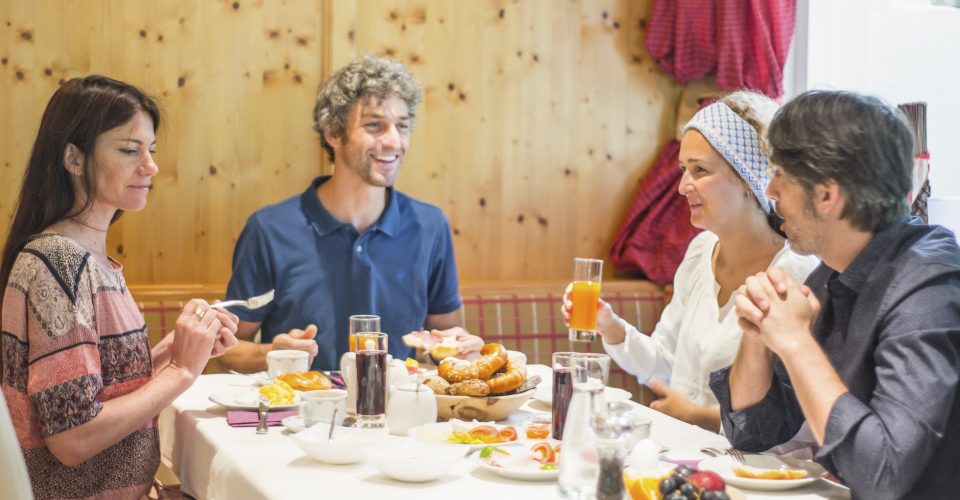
(349, 244)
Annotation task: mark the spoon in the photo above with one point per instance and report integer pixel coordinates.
(333, 423)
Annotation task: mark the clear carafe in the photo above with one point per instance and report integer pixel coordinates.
(579, 461)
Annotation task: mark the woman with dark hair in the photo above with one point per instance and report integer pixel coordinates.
(83, 385)
(724, 178)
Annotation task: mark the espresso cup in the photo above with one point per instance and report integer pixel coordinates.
(318, 406)
(287, 361)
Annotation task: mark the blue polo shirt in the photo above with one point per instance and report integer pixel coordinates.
(402, 269)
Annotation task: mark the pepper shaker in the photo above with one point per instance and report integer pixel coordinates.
(612, 427)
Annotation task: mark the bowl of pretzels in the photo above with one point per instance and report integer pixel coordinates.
(489, 388)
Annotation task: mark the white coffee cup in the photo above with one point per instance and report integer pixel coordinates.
(318, 406)
(287, 361)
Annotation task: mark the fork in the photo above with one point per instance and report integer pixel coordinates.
(718, 452)
(251, 303)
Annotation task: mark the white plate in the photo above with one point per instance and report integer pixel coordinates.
(261, 378)
(724, 466)
(293, 423)
(544, 394)
(232, 402)
(440, 431)
(519, 465)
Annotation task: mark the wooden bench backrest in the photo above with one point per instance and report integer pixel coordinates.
(524, 316)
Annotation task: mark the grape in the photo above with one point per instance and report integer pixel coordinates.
(683, 470)
(713, 495)
(676, 495)
(689, 491)
(667, 485)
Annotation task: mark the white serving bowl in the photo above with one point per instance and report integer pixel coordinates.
(346, 447)
(414, 463)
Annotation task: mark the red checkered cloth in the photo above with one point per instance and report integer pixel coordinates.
(743, 42)
(654, 236)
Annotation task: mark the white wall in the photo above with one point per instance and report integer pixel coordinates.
(900, 50)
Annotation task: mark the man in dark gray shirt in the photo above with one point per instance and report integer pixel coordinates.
(868, 351)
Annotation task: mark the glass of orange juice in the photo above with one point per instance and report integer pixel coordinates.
(362, 323)
(586, 299)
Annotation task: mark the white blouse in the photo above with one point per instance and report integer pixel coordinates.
(694, 335)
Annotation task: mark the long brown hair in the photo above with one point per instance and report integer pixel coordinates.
(79, 111)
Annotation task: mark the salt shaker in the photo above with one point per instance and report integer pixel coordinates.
(262, 414)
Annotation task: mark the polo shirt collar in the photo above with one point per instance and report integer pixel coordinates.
(325, 223)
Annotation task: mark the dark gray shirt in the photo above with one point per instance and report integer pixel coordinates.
(890, 325)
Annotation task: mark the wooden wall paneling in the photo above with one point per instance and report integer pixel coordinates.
(539, 120)
(524, 101)
(234, 91)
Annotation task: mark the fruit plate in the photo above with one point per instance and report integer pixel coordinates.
(248, 400)
(724, 466)
(441, 431)
(645, 484)
(518, 463)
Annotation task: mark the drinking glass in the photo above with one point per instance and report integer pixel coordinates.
(586, 298)
(562, 390)
(362, 323)
(371, 379)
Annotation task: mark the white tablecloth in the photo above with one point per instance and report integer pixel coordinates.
(216, 461)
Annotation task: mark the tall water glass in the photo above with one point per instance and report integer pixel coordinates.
(586, 299)
(371, 379)
(579, 462)
(362, 323)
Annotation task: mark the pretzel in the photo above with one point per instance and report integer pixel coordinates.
(511, 378)
(492, 357)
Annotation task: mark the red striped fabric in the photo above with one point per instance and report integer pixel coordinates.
(743, 43)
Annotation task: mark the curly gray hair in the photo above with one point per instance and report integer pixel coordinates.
(366, 76)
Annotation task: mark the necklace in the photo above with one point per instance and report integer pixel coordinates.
(78, 221)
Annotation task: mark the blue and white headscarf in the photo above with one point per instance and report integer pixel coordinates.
(738, 142)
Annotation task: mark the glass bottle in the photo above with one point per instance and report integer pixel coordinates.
(579, 462)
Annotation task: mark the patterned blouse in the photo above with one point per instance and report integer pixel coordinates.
(72, 339)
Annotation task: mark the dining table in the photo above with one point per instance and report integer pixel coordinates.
(216, 461)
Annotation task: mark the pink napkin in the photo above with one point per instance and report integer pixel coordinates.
(243, 418)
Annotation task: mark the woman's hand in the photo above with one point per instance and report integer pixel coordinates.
(670, 401)
(226, 336)
(675, 404)
(609, 325)
(194, 336)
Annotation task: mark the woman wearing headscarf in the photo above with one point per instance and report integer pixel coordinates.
(724, 167)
